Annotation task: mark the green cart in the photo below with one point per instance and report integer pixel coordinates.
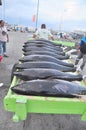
(22, 105)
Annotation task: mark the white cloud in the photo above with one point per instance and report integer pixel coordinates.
(50, 11)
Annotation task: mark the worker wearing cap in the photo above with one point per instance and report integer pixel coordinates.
(82, 48)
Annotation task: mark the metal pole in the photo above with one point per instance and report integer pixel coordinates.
(0, 2)
(61, 21)
(4, 10)
(37, 14)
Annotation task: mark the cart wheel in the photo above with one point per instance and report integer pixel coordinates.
(13, 70)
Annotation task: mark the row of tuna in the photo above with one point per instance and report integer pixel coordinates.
(45, 71)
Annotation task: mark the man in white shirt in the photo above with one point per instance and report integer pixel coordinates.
(43, 33)
(3, 38)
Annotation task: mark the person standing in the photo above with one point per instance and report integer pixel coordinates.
(79, 56)
(43, 33)
(82, 48)
(4, 38)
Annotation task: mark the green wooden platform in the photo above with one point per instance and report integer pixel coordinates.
(21, 105)
(65, 43)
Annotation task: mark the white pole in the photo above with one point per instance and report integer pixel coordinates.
(3, 10)
(37, 14)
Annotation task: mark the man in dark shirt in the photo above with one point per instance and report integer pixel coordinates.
(82, 48)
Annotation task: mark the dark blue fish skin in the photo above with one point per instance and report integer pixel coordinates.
(38, 57)
(49, 88)
(40, 73)
(48, 42)
(43, 52)
(43, 64)
(42, 45)
(42, 41)
(55, 49)
(33, 48)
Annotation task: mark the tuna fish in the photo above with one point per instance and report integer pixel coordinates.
(41, 41)
(41, 48)
(36, 57)
(42, 73)
(49, 88)
(43, 64)
(43, 52)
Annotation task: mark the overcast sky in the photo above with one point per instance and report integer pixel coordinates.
(56, 14)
